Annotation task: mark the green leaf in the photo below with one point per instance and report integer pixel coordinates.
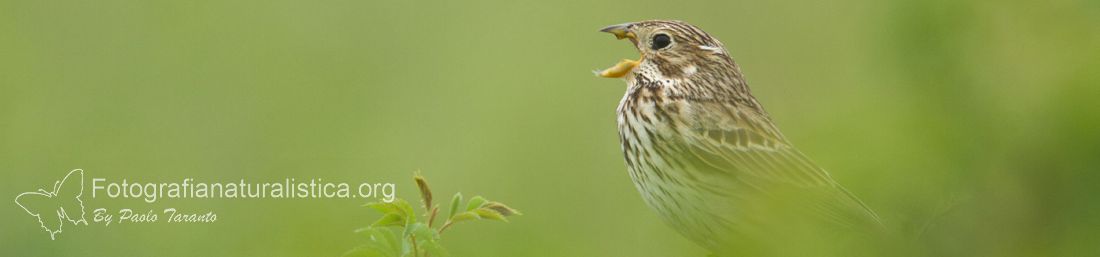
(504, 210)
(406, 210)
(486, 213)
(455, 201)
(425, 192)
(384, 208)
(462, 216)
(475, 203)
(398, 207)
(423, 232)
(392, 241)
(434, 249)
(391, 219)
(379, 242)
(427, 239)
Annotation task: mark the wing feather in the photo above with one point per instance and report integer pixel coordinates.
(754, 157)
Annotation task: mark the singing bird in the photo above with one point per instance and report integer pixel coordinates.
(705, 155)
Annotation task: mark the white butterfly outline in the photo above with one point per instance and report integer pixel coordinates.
(61, 213)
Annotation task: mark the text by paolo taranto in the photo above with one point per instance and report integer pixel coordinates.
(169, 215)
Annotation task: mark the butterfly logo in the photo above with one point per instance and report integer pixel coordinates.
(53, 208)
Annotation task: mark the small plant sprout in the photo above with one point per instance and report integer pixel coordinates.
(398, 233)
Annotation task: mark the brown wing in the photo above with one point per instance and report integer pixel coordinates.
(741, 154)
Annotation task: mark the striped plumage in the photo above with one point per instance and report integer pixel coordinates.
(703, 152)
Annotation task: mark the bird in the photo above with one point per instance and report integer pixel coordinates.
(705, 155)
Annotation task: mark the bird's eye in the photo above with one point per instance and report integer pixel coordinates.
(660, 41)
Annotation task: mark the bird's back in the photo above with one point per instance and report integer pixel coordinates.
(721, 173)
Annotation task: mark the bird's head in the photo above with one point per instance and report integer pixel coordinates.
(670, 49)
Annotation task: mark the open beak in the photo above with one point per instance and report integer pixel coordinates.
(624, 67)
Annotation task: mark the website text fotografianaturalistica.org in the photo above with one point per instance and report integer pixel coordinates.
(289, 188)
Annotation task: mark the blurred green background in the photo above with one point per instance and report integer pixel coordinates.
(907, 103)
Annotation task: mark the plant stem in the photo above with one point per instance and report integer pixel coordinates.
(431, 217)
(416, 249)
(445, 226)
